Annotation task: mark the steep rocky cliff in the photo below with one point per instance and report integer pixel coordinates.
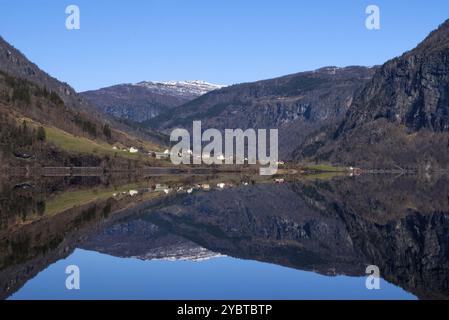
(400, 118)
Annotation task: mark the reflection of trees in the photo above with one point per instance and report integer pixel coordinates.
(28, 249)
(18, 204)
(28, 245)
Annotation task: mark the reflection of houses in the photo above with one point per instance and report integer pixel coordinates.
(355, 171)
(162, 155)
(223, 185)
(162, 188)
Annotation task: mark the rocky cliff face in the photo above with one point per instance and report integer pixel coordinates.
(145, 100)
(296, 104)
(402, 115)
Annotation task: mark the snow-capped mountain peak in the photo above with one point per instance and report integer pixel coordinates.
(145, 100)
(186, 88)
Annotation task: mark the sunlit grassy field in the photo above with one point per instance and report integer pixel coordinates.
(71, 143)
(324, 168)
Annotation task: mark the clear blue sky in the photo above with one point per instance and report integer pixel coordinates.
(220, 41)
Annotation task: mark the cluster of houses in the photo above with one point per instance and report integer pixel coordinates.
(166, 155)
(154, 154)
(130, 150)
(183, 189)
(189, 153)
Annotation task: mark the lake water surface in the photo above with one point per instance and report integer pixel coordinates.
(229, 237)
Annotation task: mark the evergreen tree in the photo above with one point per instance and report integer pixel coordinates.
(107, 131)
(41, 135)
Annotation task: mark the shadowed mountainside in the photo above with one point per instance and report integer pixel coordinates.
(400, 118)
(29, 95)
(296, 104)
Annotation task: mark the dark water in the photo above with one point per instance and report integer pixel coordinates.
(226, 237)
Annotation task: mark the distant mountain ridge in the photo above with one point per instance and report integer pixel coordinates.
(295, 104)
(144, 100)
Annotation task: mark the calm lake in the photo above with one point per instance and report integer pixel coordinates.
(224, 237)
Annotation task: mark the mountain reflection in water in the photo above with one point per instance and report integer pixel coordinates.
(225, 237)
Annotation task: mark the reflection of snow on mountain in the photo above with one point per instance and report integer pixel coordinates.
(179, 252)
(180, 88)
(140, 239)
